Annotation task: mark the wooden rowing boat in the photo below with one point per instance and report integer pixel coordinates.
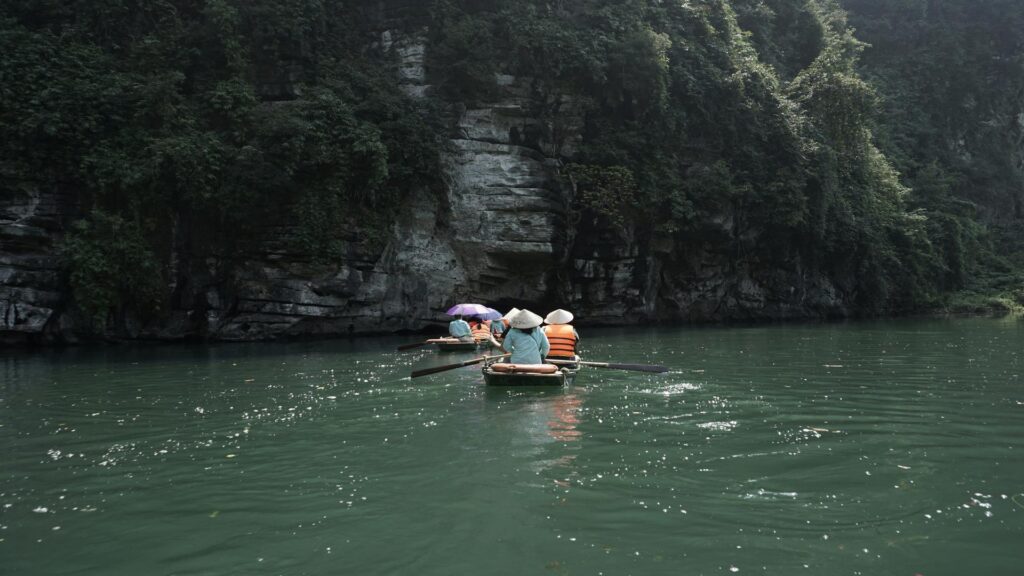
(450, 344)
(453, 345)
(545, 375)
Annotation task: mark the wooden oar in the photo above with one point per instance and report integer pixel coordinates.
(445, 368)
(418, 344)
(411, 346)
(613, 366)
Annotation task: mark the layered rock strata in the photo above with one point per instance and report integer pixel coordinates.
(32, 290)
(503, 231)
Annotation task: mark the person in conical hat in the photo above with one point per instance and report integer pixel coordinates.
(558, 317)
(525, 340)
(563, 338)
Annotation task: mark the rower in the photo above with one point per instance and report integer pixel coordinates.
(563, 338)
(501, 326)
(460, 329)
(525, 340)
(480, 330)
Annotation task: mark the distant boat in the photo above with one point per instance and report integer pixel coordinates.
(454, 345)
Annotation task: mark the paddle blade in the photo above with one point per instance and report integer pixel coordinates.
(411, 346)
(445, 368)
(640, 368)
(434, 370)
(637, 368)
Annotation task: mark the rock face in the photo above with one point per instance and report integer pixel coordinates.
(493, 236)
(32, 293)
(503, 232)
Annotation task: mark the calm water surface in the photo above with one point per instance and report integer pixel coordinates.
(889, 448)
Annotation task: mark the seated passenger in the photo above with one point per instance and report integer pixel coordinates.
(481, 331)
(460, 329)
(504, 323)
(525, 340)
(500, 326)
(563, 338)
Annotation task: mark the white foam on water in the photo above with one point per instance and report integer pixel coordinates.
(763, 494)
(671, 389)
(718, 426)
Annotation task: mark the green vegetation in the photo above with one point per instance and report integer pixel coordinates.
(770, 159)
(746, 128)
(186, 130)
(765, 130)
(951, 77)
(111, 263)
(609, 192)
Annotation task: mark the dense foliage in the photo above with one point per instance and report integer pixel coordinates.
(187, 129)
(764, 130)
(747, 127)
(768, 159)
(951, 77)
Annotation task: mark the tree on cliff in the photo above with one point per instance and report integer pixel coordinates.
(760, 131)
(187, 130)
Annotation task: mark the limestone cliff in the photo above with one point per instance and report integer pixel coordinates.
(32, 293)
(506, 230)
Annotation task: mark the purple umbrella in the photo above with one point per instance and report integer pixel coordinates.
(491, 314)
(468, 310)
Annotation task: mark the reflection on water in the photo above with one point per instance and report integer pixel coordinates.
(562, 425)
(555, 411)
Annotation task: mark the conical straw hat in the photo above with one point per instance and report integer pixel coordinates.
(526, 320)
(510, 314)
(559, 317)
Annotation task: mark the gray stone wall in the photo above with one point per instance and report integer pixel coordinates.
(503, 231)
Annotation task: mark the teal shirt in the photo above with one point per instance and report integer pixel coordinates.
(497, 327)
(459, 328)
(526, 348)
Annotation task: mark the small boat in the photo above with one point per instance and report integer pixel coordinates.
(454, 345)
(505, 374)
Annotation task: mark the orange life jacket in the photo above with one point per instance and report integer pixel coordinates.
(563, 341)
(480, 331)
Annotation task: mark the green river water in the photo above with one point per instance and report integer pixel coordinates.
(879, 448)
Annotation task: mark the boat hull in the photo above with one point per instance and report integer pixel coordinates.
(457, 346)
(566, 375)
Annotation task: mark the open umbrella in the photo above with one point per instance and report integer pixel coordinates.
(492, 314)
(468, 310)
